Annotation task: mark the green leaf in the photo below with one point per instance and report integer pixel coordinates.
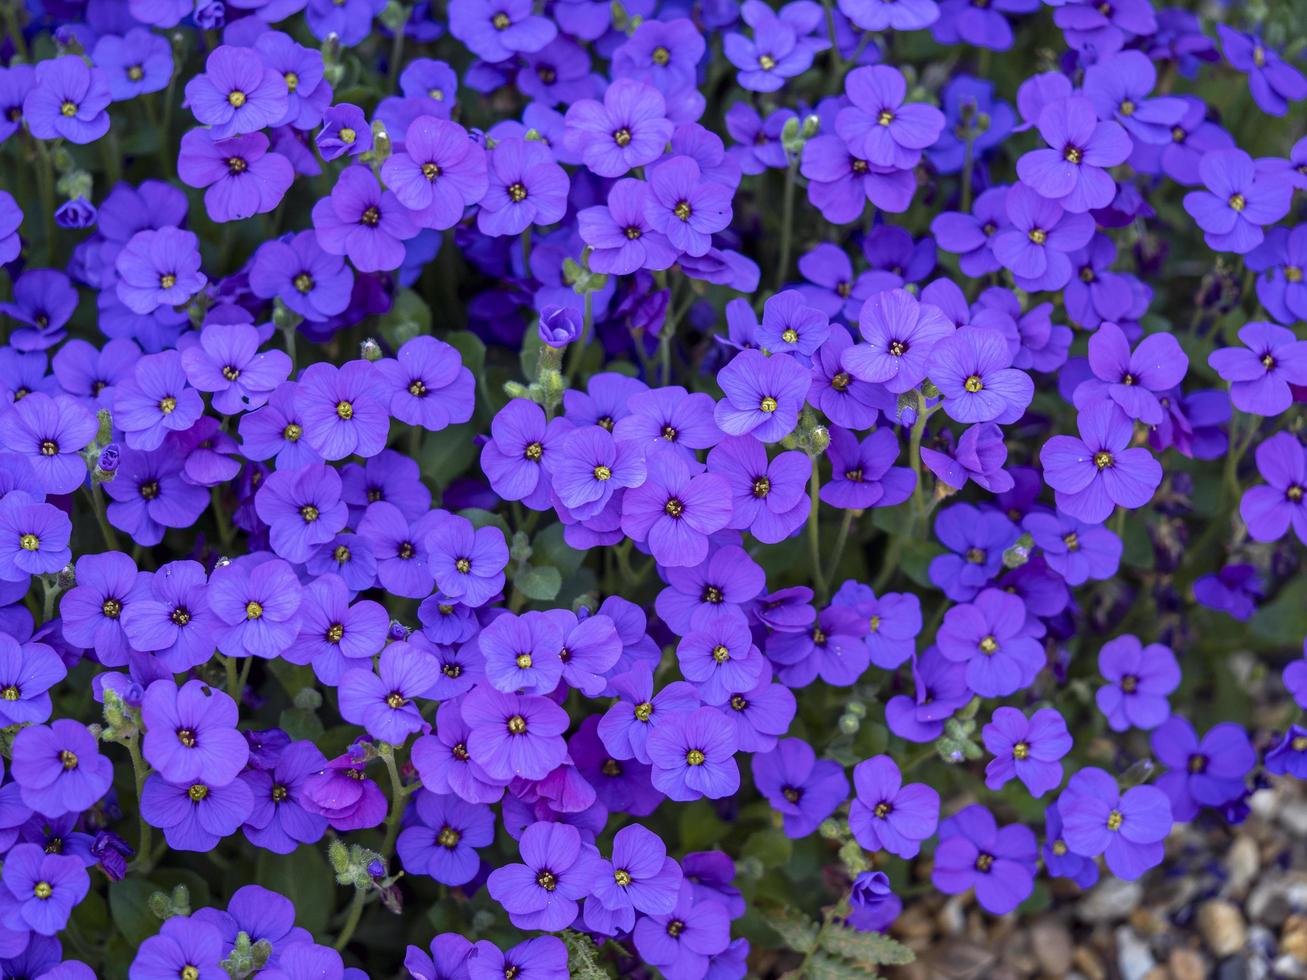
(826, 968)
(305, 878)
(484, 518)
(769, 846)
(129, 905)
(408, 317)
(539, 582)
(551, 546)
(1284, 619)
(865, 949)
(796, 930)
(447, 454)
(471, 348)
(583, 957)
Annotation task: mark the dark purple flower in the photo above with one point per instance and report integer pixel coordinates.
(1139, 679)
(887, 815)
(1128, 828)
(1207, 772)
(1075, 550)
(1270, 509)
(1261, 373)
(1028, 748)
(998, 862)
(1235, 590)
(1237, 202)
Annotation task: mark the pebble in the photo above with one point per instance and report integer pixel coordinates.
(1088, 963)
(1222, 927)
(1186, 964)
(1293, 938)
(1133, 958)
(1293, 815)
(1111, 901)
(1052, 945)
(1242, 863)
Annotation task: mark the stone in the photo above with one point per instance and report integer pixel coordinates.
(1293, 937)
(1133, 957)
(1087, 962)
(1242, 864)
(1186, 964)
(1222, 927)
(1111, 901)
(1052, 947)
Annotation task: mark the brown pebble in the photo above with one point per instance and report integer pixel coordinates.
(1087, 963)
(1293, 939)
(1052, 947)
(1186, 964)
(1222, 926)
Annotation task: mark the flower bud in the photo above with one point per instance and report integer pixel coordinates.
(559, 326)
(370, 350)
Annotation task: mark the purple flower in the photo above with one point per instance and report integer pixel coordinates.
(998, 862)
(1128, 828)
(1235, 590)
(626, 726)
(542, 958)
(159, 268)
(763, 395)
(314, 283)
(990, 636)
(805, 790)
(1028, 748)
(345, 130)
(343, 794)
(149, 494)
(440, 172)
(1261, 372)
(879, 127)
(191, 733)
(521, 653)
(719, 658)
(1042, 232)
(513, 458)
(622, 238)
(639, 878)
(242, 177)
(59, 768)
(526, 187)
(107, 586)
(776, 52)
(886, 815)
(877, 15)
(976, 539)
(468, 562)
(257, 599)
(1280, 261)
(1270, 509)
(769, 498)
(873, 906)
(278, 822)
(558, 869)
(496, 32)
(693, 756)
(341, 413)
(1274, 83)
(1138, 680)
(1119, 88)
(383, 702)
(1289, 756)
(971, 235)
(979, 457)
(1095, 473)
(430, 386)
(1133, 380)
(43, 888)
(68, 101)
(33, 537)
(675, 511)
(227, 361)
(685, 207)
(364, 222)
(1207, 772)
(628, 129)
(27, 672)
(514, 735)
(237, 92)
(680, 942)
(590, 466)
(1075, 550)
(972, 369)
(901, 335)
(443, 841)
(863, 472)
(1237, 202)
(669, 415)
(50, 433)
(44, 300)
(181, 942)
(448, 960)
(195, 816)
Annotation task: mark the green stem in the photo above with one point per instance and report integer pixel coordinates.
(352, 921)
(526, 252)
(101, 518)
(45, 185)
(225, 532)
(837, 62)
(840, 541)
(144, 859)
(15, 29)
(787, 222)
(966, 175)
(396, 56)
(914, 456)
(814, 530)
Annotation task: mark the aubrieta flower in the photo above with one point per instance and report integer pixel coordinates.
(498, 34)
(901, 335)
(622, 238)
(998, 862)
(558, 869)
(227, 362)
(1262, 372)
(68, 100)
(50, 433)
(976, 540)
(237, 92)
(887, 815)
(628, 129)
(1139, 679)
(1207, 772)
(991, 637)
(257, 600)
(521, 438)
(979, 457)
(341, 411)
(430, 386)
(468, 563)
(1075, 550)
(1288, 757)
(1094, 474)
(1235, 590)
(972, 370)
(514, 735)
(345, 131)
(181, 943)
(1273, 82)
(1237, 202)
(805, 790)
(526, 187)
(763, 395)
(776, 52)
(686, 208)
(590, 466)
(1271, 509)
(34, 537)
(1072, 170)
(1041, 234)
(383, 702)
(440, 172)
(443, 841)
(1128, 828)
(361, 220)
(682, 941)
(159, 268)
(278, 822)
(58, 768)
(880, 127)
(43, 301)
(191, 733)
(242, 178)
(1132, 379)
(43, 888)
(693, 756)
(194, 815)
(863, 474)
(27, 672)
(1029, 749)
(675, 510)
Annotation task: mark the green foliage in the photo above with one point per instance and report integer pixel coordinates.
(583, 957)
(865, 950)
(304, 878)
(539, 582)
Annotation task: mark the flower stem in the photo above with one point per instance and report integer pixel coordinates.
(814, 532)
(352, 922)
(787, 222)
(144, 860)
(97, 508)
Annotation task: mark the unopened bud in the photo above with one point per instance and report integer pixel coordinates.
(370, 350)
(381, 146)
